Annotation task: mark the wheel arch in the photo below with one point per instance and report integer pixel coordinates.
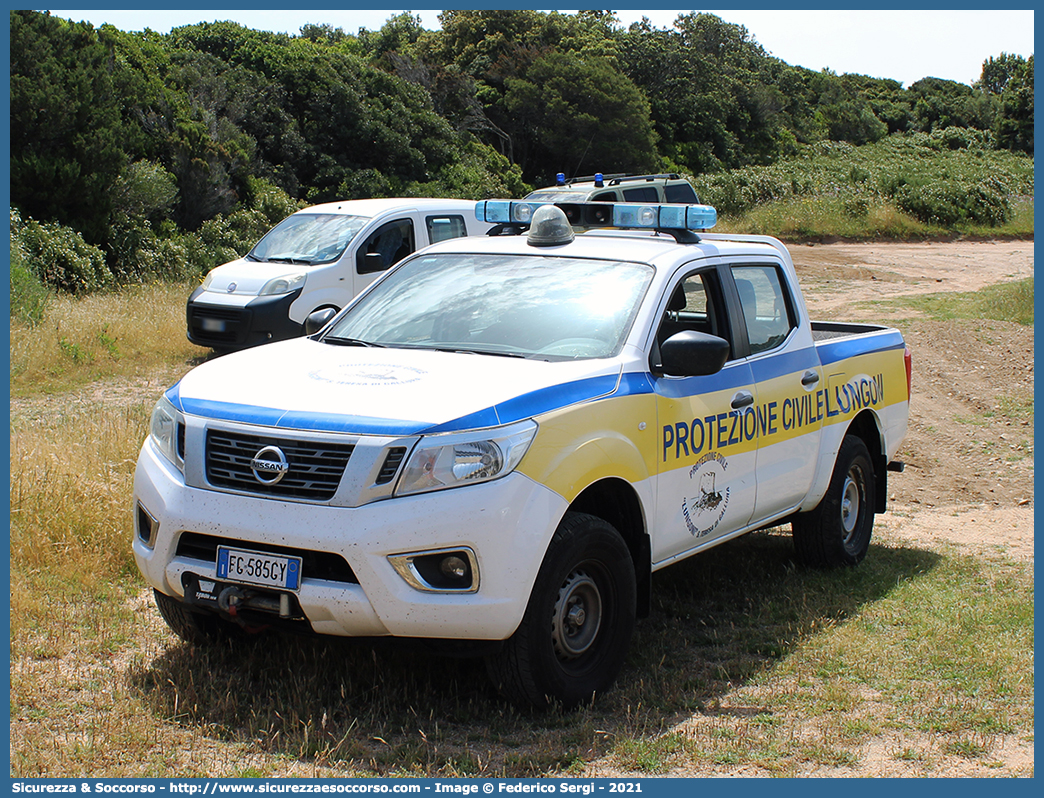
(616, 502)
(867, 426)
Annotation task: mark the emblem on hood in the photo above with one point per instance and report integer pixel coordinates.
(231, 287)
(269, 465)
(369, 374)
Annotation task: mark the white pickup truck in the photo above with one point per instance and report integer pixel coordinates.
(504, 437)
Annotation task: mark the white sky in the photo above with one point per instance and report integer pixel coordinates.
(898, 44)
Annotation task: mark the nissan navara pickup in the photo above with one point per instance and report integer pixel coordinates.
(500, 440)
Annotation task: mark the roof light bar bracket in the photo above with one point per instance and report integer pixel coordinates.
(507, 229)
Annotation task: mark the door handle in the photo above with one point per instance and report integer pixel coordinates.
(810, 378)
(742, 399)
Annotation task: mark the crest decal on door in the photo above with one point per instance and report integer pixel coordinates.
(709, 499)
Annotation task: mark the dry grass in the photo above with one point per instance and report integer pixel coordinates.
(126, 334)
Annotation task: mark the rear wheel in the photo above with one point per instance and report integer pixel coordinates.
(577, 627)
(838, 531)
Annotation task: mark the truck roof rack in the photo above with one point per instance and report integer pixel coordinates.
(648, 178)
(622, 177)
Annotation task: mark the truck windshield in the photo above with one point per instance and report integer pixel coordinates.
(548, 308)
(308, 238)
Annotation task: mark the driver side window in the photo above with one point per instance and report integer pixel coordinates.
(385, 247)
(695, 304)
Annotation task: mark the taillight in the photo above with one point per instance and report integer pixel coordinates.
(908, 360)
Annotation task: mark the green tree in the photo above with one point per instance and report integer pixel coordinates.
(1013, 128)
(67, 129)
(350, 116)
(939, 103)
(712, 89)
(570, 114)
(496, 50)
(998, 72)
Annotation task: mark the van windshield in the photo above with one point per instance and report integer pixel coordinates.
(308, 238)
(534, 306)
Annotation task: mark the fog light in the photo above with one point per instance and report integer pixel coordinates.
(454, 567)
(442, 571)
(147, 526)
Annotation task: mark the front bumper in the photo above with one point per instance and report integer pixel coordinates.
(507, 523)
(229, 326)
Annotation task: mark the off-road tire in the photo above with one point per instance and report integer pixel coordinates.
(194, 627)
(838, 531)
(577, 627)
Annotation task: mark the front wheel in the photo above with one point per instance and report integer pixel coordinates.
(837, 532)
(194, 627)
(577, 627)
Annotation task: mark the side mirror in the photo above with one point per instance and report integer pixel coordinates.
(371, 262)
(318, 319)
(693, 354)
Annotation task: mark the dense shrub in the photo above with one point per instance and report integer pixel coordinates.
(951, 203)
(950, 177)
(959, 138)
(29, 296)
(227, 237)
(59, 256)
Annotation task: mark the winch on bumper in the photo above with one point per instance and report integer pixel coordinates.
(366, 571)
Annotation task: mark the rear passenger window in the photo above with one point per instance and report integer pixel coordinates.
(766, 309)
(679, 192)
(443, 228)
(641, 194)
(605, 196)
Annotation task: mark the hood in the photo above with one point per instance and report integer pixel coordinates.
(307, 385)
(249, 276)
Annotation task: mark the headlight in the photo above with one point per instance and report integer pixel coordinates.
(282, 285)
(455, 459)
(165, 431)
(208, 280)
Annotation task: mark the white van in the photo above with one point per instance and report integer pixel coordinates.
(317, 258)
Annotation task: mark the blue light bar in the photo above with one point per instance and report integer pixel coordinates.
(506, 211)
(625, 215)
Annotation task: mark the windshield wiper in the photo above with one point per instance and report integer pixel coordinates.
(463, 351)
(294, 261)
(339, 341)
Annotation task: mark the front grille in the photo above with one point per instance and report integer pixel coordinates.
(315, 468)
(230, 320)
(314, 564)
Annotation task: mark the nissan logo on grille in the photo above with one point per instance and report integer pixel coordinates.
(269, 465)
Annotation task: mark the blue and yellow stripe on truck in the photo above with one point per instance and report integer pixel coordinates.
(634, 426)
(613, 436)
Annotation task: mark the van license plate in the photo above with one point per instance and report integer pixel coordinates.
(258, 568)
(212, 325)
